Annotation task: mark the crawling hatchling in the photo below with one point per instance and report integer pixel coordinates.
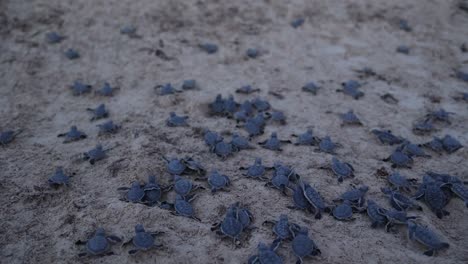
(175, 120)
(108, 127)
(356, 195)
(73, 135)
(327, 145)
(426, 237)
(218, 181)
(400, 182)
(350, 118)
(107, 90)
(6, 137)
(376, 214)
(256, 171)
(340, 169)
(303, 246)
(143, 240)
(273, 143)
(314, 198)
(99, 112)
(399, 201)
(351, 88)
(306, 138)
(134, 194)
(96, 154)
(59, 178)
(266, 254)
(434, 196)
(283, 228)
(100, 244)
(395, 217)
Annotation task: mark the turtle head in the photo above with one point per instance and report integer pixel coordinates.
(100, 232)
(73, 128)
(172, 114)
(139, 228)
(283, 217)
(151, 179)
(258, 160)
(135, 185)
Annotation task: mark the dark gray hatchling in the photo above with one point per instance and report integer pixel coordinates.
(460, 190)
(423, 127)
(240, 116)
(247, 107)
(209, 48)
(279, 181)
(72, 54)
(266, 254)
(143, 240)
(273, 143)
(376, 214)
(99, 112)
(252, 53)
(350, 118)
(230, 106)
(79, 88)
(246, 89)
(412, 150)
(194, 166)
(175, 166)
(184, 187)
(6, 137)
(306, 138)
(218, 181)
(73, 135)
(176, 121)
(356, 195)
(107, 90)
(343, 211)
(283, 228)
(253, 128)
(153, 191)
(223, 149)
(129, 30)
(96, 154)
(108, 127)
(217, 106)
(256, 171)
(58, 178)
(327, 145)
(239, 142)
(426, 237)
(230, 227)
(287, 171)
(439, 115)
(54, 37)
(134, 194)
(314, 198)
(400, 182)
(395, 217)
(311, 87)
(436, 145)
(166, 89)
(433, 196)
(340, 169)
(399, 160)
(351, 88)
(303, 246)
(450, 144)
(190, 84)
(260, 104)
(242, 214)
(386, 137)
(299, 199)
(279, 117)
(212, 138)
(399, 201)
(100, 244)
(183, 207)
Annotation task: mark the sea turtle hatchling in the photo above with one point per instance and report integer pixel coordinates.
(386, 137)
(311, 87)
(351, 88)
(350, 118)
(166, 89)
(433, 195)
(71, 54)
(182, 207)
(252, 53)
(278, 116)
(340, 169)
(375, 213)
(194, 166)
(143, 240)
(183, 186)
(412, 150)
(356, 195)
(223, 149)
(95, 154)
(230, 227)
(230, 106)
(273, 143)
(100, 244)
(439, 115)
(395, 217)
(134, 194)
(399, 201)
(426, 237)
(403, 49)
(58, 178)
(153, 191)
(73, 135)
(460, 190)
(190, 84)
(282, 228)
(79, 88)
(253, 128)
(99, 112)
(209, 48)
(260, 104)
(436, 145)
(423, 127)
(239, 142)
(54, 37)
(314, 198)
(211, 138)
(343, 211)
(299, 199)
(279, 181)
(450, 144)
(303, 246)
(400, 160)
(306, 138)
(176, 121)
(218, 181)
(400, 182)
(266, 254)
(256, 171)
(175, 166)
(7, 136)
(242, 214)
(327, 145)
(106, 90)
(108, 127)
(297, 22)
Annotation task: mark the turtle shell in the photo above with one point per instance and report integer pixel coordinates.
(231, 227)
(343, 211)
(183, 208)
(176, 166)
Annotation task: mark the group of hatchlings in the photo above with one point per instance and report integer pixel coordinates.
(253, 115)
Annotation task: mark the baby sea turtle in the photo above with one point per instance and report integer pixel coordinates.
(266, 254)
(53, 37)
(175, 121)
(166, 89)
(311, 87)
(350, 118)
(72, 54)
(239, 142)
(306, 138)
(401, 182)
(209, 48)
(190, 84)
(340, 169)
(297, 22)
(96, 154)
(386, 137)
(257, 170)
(327, 145)
(107, 90)
(218, 181)
(247, 89)
(303, 246)
(399, 159)
(356, 195)
(223, 149)
(247, 107)
(283, 229)
(59, 178)
(253, 128)
(404, 25)
(426, 237)
(129, 30)
(400, 201)
(376, 214)
(351, 88)
(230, 227)
(211, 138)
(279, 181)
(460, 190)
(153, 191)
(175, 166)
(194, 166)
(396, 217)
(260, 104)
(79, 88)
(108, 127)
(183, 186)
(143, 240)
(423, 127)
(242, 214)
(412, 150)
(240, 116)
(134, 194)
(278, 116)
(99, 244)
(343, 212)
(217, 106)
(99, 112)
(439, 115)
(403, 49)
(434, 196)
(285, 170)
(314, 198)
(436, 145)
(8, 136)
(273, 143)
(73, 135)
(450, 144)
(299, 199)
(183, 207)
(252, 53)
